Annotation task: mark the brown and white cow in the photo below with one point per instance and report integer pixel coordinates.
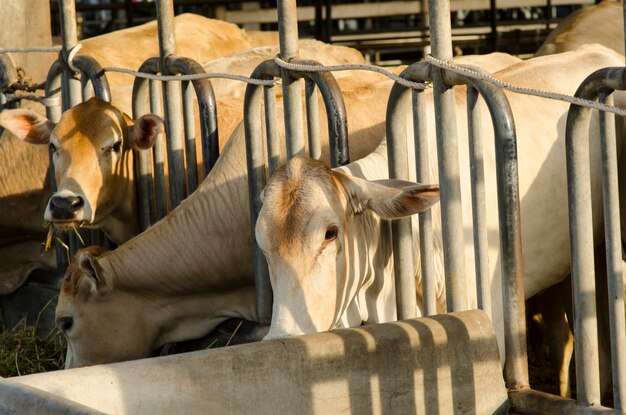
(324, 212)
(192, 270)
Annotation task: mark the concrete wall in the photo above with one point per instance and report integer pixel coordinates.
(26, 23)
(445, 364)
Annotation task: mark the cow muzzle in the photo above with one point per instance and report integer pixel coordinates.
(65, 207)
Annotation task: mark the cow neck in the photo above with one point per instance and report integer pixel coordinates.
(203, 244)
(122, 223)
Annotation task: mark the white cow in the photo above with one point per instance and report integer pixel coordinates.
(192, 270)
(601, 23)
(324, 205)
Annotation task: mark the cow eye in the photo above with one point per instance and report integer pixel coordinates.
(65, 324)
(116, 147)
(53, 148)
(331, 233)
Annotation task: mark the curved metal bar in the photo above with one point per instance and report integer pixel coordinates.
(335, 111)
(256, 158)
(207, 107)
(507, 177)
(53, 90)
(92, 71)
(599, 84)
(141, 96)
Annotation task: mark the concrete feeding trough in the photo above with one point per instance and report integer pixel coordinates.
(445, 364)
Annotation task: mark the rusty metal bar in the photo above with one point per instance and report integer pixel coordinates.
(581, 236)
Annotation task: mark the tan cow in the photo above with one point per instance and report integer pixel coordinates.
(602, 23)
(192, 270)
(313, 250)
(24, 167)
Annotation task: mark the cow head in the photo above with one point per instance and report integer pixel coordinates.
(91, 151)
(321, 233)
(101, 324)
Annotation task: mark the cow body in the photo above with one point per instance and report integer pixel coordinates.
(602, 23)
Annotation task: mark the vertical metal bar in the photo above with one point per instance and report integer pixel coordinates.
(494, 24)
(610, 196)
(479, 210)
(171, 99)
(581, 236)
(422, 159)
(256, 181)
(312, 120)
(448, 162)
(288, 37)
(401, 229)
(190, 138)
(71, 87)
(158, 160)
(273, 146)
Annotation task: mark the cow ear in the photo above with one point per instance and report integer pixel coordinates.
(145, 131)
(91, 271)
(27, 125)
(391, 199)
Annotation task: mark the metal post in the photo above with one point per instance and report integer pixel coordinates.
(190, 137)
(288, 36)
(448, 161)
(72, 93)
(171, 99)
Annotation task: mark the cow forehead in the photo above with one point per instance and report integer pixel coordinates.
(95, 120)
(294, 193)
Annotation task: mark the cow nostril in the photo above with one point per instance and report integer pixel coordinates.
(70, 204)
(76, 202)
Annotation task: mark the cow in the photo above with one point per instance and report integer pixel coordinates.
(192, 270)
(23, 178)
(313, 246)
(601, 23)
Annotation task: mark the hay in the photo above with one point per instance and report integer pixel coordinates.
(23, 352)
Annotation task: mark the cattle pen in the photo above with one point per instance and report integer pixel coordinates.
(446, 363)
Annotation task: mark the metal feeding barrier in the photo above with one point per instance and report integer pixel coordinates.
(258, 163)
(182, 164)
(598, 86)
